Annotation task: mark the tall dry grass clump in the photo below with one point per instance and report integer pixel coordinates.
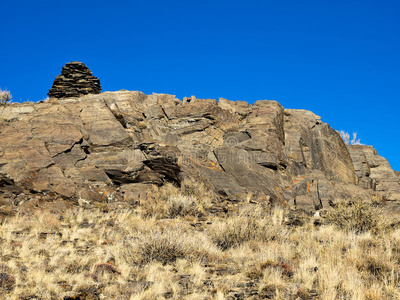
(191, 199)
(167, 245)
(252, 223)
(358, 216)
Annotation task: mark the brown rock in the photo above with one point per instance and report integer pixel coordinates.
(124, 142)
(75, 80)
(379, 172)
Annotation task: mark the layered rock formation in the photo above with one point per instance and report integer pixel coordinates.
(374, 171)
(75, 80)
(112, 147)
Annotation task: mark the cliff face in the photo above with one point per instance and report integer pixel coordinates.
(112, 147)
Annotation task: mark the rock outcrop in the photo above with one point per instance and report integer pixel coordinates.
(75, 80)
(375, 171)
(112, 147)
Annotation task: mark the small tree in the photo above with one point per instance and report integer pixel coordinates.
(5, 97)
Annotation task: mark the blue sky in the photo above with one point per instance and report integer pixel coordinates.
(339, 59)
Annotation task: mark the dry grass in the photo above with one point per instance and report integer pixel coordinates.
(192, 199)
(250, 224)
(250, 254)
(166, 245)
(358, 216)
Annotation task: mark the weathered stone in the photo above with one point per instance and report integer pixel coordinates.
(154, 112)
(136, 192)
(101, 128)
(112, 147)
(379, 172)
(317, 146)
(75, 80)
(226, 104)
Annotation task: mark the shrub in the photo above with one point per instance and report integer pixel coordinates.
(251, 224)
(199, 191)
(166, 246)
(257, 271)
(5, 97)
(376, 266)
(180, 205)
(346, 138)
(358, 216)
(171, 202)
(7, 282)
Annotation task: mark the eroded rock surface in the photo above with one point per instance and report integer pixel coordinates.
(112, 147)
(75, 80)
(376, 172)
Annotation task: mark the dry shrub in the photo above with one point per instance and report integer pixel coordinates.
(257, 271)
(303, 294)
(7, 282)
(377, 267)
(252, 223)
(198, 191)
(106, 268)
(5, 97)
(171, 202)
(167, 245)
(180, 206)
(102, 269)
(358, 216)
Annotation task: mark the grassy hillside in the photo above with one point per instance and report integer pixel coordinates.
(182, 244)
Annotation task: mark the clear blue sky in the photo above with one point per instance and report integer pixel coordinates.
(340, 59)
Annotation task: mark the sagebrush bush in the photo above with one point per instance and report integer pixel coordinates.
(180, 206)
(167, 245)
(358, 216)
(252, 223)
(5, 97)
(199, 191)
(171, 202)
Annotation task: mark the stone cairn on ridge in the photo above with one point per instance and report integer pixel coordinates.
(75, 80)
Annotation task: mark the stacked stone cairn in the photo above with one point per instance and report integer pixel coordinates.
(75, 80)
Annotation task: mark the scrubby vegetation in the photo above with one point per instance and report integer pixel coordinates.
(5, 97)
(177, 248)
(346, 138)
(358, 216)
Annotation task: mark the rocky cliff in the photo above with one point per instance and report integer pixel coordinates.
(110, 148)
